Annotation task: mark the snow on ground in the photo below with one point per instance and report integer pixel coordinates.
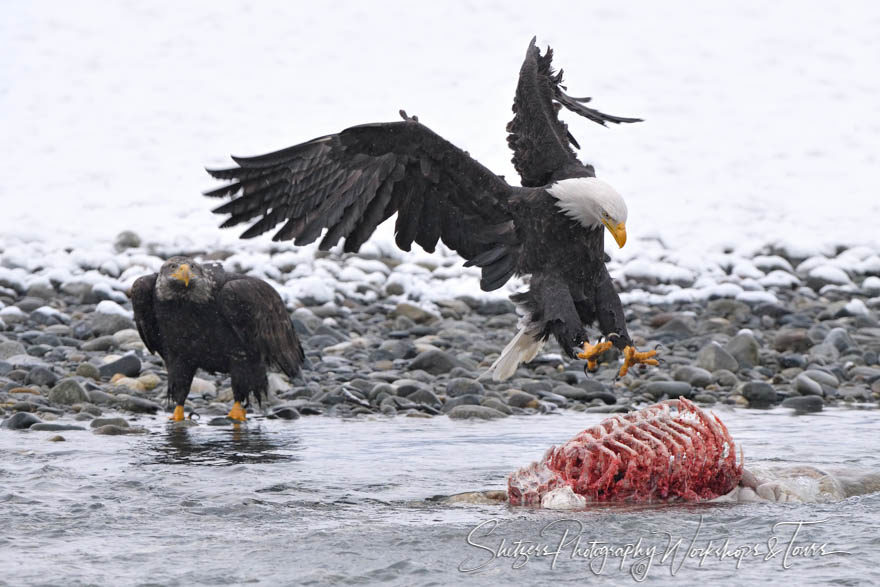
(762, 123)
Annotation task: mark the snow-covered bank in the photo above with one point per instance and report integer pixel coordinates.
(762, 122)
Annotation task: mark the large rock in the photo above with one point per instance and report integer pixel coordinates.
(11, 348)
(128, 365)
(713, 357)
(804, 385)
(41, 376)
(760, 394)
(521, 399)
(462, 385)
(475, 412)
(68, 391)
(696, 376)
(435, 362)
(20, 421)
(414, 313)
(137, 404)
(110, 323)
(745, 349)
(672, 389)
(793, 339)
(804, 403)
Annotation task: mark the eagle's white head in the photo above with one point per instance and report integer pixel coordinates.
(592, 201)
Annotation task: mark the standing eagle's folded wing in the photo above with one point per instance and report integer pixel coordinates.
(349, 183)
(257, 314)
(540, 141)
(144, 317)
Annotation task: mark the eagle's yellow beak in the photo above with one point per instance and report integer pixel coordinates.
(618, 232)
(184, 274)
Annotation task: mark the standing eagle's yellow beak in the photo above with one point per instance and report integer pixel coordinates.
(618, 232)
(184, 274)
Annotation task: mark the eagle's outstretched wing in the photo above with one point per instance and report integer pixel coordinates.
(348, 183)
(540, 141)
(144, 318)
(257, 314)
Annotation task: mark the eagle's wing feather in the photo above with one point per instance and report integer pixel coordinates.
(540, 141)
(257, 314)
(144, 317)
(350, 182)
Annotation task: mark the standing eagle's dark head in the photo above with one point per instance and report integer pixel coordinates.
(181, 278)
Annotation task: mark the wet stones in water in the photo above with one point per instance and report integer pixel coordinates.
(497, 404)
(128, 365)
(744, 348)
(57, 438)
(435, 362)
(479, 412)
(804, 403)
(714, 357)
(760, 394)
(54, 427)
(462, 400)
(696, 376)
(20, 421)
(118, 422)
(68, 391)
(41, 376)
(461, 386)
(671, 389)
(284, 413)
(114, 430)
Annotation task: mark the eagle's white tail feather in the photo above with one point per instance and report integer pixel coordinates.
(522, 349)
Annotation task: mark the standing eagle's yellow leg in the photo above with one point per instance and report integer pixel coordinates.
(237, 412)
(633, 357)
(591, 351)
(177, 416)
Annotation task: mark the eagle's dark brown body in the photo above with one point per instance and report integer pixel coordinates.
(218, 322)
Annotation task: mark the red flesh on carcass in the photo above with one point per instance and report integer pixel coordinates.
(670, 450)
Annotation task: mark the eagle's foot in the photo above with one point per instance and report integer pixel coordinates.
(591, 351)
(237, 412)
(633, 357)
(177, 416)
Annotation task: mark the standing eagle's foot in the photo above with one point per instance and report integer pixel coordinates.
(237, 412)
(591, 351)
(633, 357)
(177, 416)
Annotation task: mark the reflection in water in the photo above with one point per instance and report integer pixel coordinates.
(237, 444)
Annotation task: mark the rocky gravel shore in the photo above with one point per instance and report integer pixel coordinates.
(386, 336)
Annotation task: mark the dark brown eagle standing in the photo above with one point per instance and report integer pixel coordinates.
(552, 228)
(198, 316)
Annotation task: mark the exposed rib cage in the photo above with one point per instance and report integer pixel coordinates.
(670, 450)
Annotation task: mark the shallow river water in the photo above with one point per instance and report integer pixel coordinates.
(324, 500)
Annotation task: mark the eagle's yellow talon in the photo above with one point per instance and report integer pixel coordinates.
(177, 416)
(591, 351)
(633, 357)
(237, 412)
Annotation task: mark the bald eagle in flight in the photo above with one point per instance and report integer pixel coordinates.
(551, 228)
(198, 316)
